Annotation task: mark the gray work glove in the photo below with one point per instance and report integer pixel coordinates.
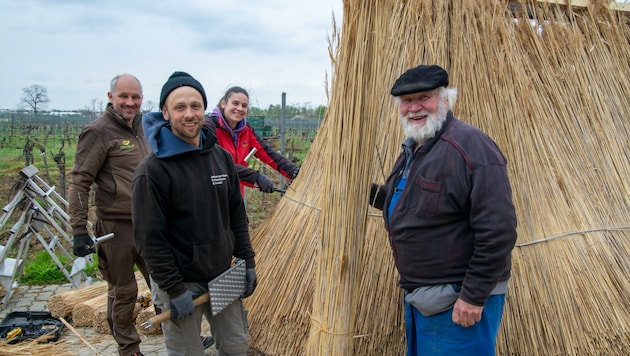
(264, 183)
(251, 281)
(82, 245)
(182, 306)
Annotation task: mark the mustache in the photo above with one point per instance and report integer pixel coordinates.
(411, 115)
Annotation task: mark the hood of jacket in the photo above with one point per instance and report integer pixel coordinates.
(216, 112)
(164, 143)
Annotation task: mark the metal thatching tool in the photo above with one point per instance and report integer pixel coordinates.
(166, 315)
(80, 263)
(100, 240)
(251, 154)
(222, 291)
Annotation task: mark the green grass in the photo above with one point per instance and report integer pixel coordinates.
(40, 269)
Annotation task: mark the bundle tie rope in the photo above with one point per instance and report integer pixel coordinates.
(318, 324)
(572, 233)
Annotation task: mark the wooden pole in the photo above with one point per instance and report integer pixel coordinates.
(74, 331)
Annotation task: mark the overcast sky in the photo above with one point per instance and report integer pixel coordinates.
(74, 47)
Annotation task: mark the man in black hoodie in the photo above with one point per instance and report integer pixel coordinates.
(190, 221)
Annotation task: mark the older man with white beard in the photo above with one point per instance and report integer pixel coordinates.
(447, 207)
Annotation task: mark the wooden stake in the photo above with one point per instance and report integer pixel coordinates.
(67, 324)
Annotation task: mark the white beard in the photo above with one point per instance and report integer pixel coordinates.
(422, 132)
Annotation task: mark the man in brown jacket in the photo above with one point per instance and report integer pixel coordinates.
(108, 151)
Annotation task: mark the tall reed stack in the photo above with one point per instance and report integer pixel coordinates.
(551, 85)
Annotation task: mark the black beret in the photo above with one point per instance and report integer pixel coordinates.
(420, 78)
(180, 79)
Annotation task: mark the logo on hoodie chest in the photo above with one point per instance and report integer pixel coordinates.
(126, 145)
(218, 179)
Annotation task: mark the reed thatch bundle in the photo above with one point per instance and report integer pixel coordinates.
(61, 305)
(100, 323)
(554, 96)
(83, 313)
(35, 347)
(99, 315)
(145, 315)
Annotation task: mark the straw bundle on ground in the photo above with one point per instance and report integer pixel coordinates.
(83, 313)
(34, 347)
(553, 95)
(99, 315)
(61, 305)
(144, 316)
(86, 312)
(99, 320)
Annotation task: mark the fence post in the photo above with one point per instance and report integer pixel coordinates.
(282, 122)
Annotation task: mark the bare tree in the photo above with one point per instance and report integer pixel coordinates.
(35, 97)
(148, 106)
(96, 107)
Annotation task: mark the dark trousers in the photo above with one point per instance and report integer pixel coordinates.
(116, 260)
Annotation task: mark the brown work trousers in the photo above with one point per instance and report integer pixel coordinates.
(116, 260)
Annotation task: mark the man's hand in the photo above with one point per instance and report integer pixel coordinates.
(82, 245)
(264, 183)
(251, 281)
(182, 306)
(466, 314)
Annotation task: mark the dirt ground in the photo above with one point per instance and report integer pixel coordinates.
(7, 181)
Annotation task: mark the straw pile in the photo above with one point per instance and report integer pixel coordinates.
(99, 313)
(83, 313)
(100, 323)
(145, 315)
(553, 96)
(61, 305)
(39, 346)
(94, 310)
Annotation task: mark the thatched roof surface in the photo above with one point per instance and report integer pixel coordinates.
(553, 95)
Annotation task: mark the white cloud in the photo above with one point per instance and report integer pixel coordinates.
(74, 47)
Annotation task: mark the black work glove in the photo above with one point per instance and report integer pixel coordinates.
(182, 306)
(82, 245)
(377, 196)
(264, 183)
(294, 172)
(251, 281)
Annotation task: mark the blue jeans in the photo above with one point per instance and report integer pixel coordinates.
(437, 334)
